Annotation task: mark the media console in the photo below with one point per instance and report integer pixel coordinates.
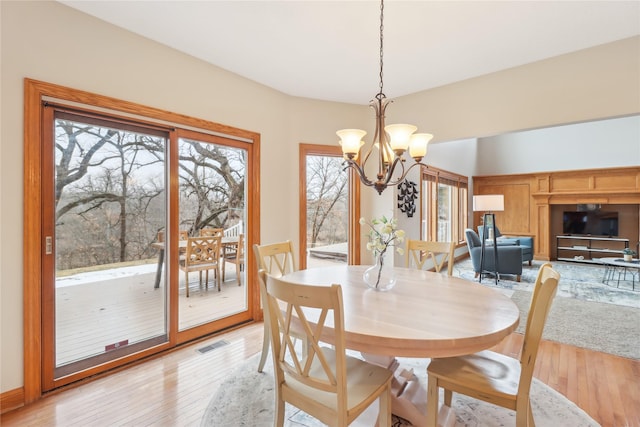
(583, 248)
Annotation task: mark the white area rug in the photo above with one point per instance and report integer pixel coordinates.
(246, 398)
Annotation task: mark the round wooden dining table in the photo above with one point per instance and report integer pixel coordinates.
(426, 314)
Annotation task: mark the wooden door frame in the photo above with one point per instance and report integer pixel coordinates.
(35, 93)
(353, 202)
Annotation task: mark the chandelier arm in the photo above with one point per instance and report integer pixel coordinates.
(392, 168)
(360, 172)
(404, 174)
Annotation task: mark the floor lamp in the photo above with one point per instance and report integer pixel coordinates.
(489, 203)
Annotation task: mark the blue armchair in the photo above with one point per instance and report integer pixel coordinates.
(525, 241)
(509, 256)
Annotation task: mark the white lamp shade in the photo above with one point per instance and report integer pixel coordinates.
(399, 135)
(351, 140)
(488, 203)
(418, 144)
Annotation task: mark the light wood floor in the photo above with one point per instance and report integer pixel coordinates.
(174, 389)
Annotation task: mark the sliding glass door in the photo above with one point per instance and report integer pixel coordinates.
(106, 202)
(212, 196)
(123, 203)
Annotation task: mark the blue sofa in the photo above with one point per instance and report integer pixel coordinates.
(509, 256)
(525, 241)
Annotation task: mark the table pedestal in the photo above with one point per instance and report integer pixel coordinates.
(408, 395)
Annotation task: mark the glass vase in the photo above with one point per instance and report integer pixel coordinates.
(380, 276)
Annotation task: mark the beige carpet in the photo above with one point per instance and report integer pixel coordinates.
(585, 313)
(594, 325)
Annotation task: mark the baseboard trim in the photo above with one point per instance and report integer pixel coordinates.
(12, 399)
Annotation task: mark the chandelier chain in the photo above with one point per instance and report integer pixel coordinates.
(381, 41)
(391, 142)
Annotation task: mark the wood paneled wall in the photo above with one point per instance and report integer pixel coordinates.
(528, 200)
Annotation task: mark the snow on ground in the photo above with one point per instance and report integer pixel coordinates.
(102, 275)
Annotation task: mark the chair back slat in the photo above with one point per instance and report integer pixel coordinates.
(211, 232)
(277, 259)
(202, 250)
(419, 251)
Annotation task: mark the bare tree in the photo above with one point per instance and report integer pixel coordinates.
(326, 197)
(211, 184)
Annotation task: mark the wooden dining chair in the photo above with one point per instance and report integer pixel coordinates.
(276, 259)
(211, 232)
(493, 377)
(323, 382)
(419, 251)
(235, 254)
(202, 254)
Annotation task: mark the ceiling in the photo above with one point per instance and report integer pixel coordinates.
(330, 50)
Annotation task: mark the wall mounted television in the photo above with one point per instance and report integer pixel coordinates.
(596, 223)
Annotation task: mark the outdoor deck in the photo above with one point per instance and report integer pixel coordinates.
(121, 304)
(99, 309)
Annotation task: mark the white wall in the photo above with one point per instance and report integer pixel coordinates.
(51, 42)
(598, 144)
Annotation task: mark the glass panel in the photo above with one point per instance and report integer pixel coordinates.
(212, 195)
(427, 214)
(463, 213)
(445, 210)
(109, 205)
(327, 211)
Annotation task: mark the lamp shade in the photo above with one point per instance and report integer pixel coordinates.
(418, 145)
(351, 140)
(488, 203)
(399, 135)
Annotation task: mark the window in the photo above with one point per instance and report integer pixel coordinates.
(445, 207)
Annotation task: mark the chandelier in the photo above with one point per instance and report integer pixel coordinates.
(391, 141)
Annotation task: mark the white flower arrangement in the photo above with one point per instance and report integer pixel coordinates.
(384, 233)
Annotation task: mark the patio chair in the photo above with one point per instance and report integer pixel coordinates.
(202, 254)
(323, 382)
(234, 253)
(276, 259)
(493, 377)
(211, 232)
(182, 235)
(419, 251)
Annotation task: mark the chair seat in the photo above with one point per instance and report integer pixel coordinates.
(198, 267)
(491, 374)
(493, 377)
(369, 379)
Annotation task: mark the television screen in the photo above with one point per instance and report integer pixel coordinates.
(596, 223)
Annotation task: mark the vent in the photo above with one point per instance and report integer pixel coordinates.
(213, 346)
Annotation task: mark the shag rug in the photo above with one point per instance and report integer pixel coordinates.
(585, 313)
(246, 398)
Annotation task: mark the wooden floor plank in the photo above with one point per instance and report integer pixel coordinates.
(175, 388)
